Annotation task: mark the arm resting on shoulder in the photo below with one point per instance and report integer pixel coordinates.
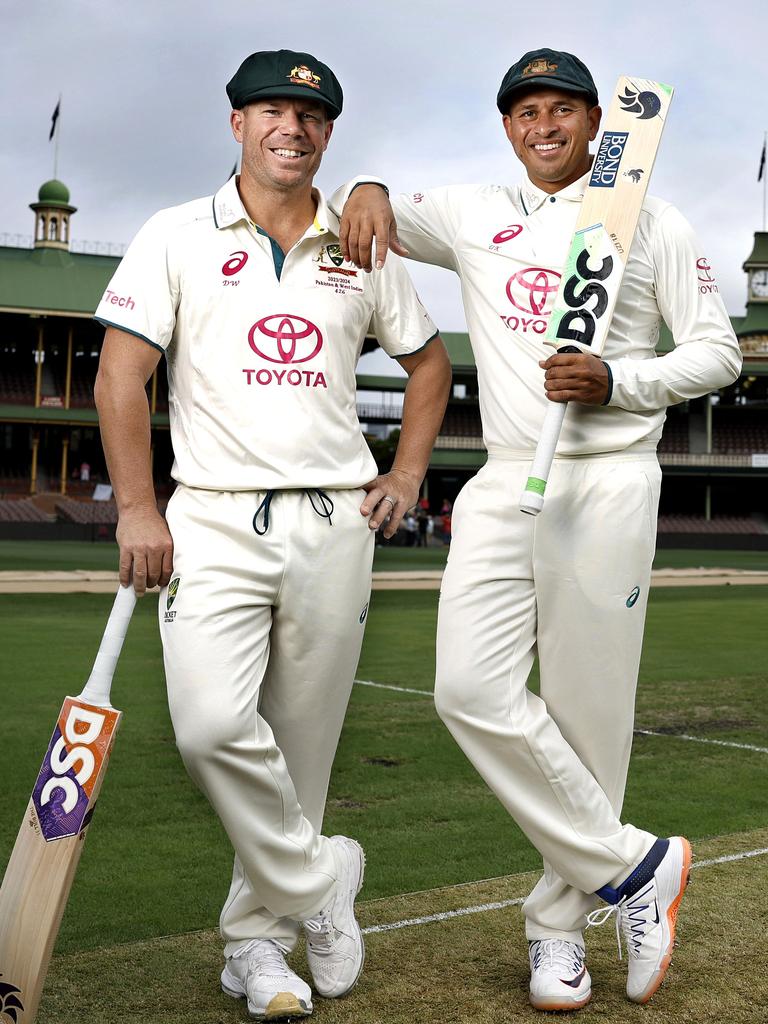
(146, 548)
(426, 396)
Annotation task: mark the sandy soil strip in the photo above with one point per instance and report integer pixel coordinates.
(95, 581)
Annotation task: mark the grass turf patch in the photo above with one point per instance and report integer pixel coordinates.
(157, 862)
(469, 969)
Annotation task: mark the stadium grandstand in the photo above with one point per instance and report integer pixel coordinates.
(53, 478)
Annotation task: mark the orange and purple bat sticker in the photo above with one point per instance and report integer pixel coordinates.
(78, 750)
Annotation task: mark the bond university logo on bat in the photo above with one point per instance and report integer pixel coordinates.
(608, 159)
(78, 749)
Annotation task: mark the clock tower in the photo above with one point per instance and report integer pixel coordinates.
(753, 331)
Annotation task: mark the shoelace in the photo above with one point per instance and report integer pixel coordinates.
(630, 919)
(265, 957)
(325, 509)
(559, 953)
(322, 930)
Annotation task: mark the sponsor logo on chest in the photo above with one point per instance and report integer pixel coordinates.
(531, 292)
(285, 340)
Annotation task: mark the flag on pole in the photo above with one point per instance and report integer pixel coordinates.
(762, 163)
(54, 119)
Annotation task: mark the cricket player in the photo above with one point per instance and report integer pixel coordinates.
(265, 561)
(570, 585)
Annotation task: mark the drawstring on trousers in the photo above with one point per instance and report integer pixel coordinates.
(324, 501)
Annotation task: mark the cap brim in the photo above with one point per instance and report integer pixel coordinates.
(541, 81)
(289, 92)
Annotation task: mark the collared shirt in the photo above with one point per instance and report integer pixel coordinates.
(261, 346)
(508, 245)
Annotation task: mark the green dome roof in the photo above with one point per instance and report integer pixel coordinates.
(53, 192)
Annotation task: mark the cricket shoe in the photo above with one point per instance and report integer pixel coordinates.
(646, 906)
(259, 972)
(559, 977)
(335, 948)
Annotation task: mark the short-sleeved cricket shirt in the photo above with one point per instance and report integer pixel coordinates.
(508, 245)
(261, 346)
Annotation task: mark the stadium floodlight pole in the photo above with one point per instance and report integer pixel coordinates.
(599, 249)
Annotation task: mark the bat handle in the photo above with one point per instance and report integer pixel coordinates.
(97, 689)
(532, 500)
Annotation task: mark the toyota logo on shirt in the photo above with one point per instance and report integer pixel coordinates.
(531, 290)
(285, 338)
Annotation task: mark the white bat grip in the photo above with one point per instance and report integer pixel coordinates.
(532, 500)
(99, 684)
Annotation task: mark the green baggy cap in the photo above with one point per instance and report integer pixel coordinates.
(285, 73)
(546, 68)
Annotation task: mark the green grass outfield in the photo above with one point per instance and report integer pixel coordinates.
(157, 862)
(67, 555)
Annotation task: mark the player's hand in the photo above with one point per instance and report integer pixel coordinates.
(575, 378)
(146, 549)
(367, 214)
(388, 499)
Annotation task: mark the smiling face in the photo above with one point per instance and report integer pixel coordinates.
(283, 142)
(550, 131)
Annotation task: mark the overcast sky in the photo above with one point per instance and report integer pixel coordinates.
(144, 114)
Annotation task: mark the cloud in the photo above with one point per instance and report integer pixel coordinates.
(144, 112)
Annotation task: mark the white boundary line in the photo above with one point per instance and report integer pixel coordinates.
(641, 732)
(397, 689)
(502, 904)
(444, 916)
(701, 739)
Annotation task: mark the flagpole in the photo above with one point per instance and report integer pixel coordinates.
(56, 145)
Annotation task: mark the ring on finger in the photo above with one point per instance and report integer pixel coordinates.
(390, 499)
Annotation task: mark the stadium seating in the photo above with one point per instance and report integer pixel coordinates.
(675, 436)
(73, 511)
(22, 510)
(720, 524)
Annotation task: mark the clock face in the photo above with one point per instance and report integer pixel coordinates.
(758, 284)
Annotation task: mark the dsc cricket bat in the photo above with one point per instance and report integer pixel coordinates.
(44, 860)
(600, 245)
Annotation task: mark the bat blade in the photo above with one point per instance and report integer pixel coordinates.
(42, 866)
(598, 252)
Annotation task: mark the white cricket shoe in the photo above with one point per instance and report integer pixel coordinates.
(259, 972)
(335, 949)
(647, 916)
(559, 977)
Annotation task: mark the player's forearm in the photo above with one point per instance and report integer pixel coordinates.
(426, 396)
(690, 371)
(125, 434)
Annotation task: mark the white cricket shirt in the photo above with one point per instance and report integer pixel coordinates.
(508, 246)
(261, 349)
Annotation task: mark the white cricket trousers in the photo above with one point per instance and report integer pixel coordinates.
(570, 585)
(261, 643)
